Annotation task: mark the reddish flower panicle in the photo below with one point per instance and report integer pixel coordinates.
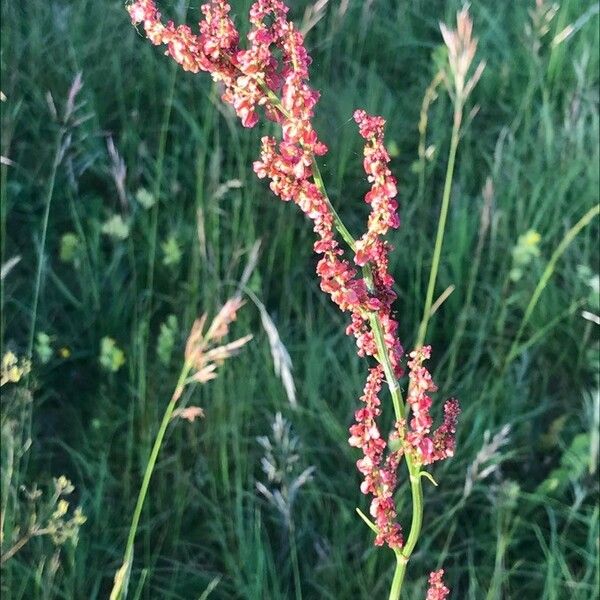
(272, 73)
(437, 590)
(379, 475)
(381, 196)
(444, 438)
(428, 449)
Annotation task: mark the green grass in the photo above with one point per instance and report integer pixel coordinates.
(529, 530)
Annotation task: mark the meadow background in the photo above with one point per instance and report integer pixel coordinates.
(142, 238)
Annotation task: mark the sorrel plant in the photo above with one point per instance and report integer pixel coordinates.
(270, 77)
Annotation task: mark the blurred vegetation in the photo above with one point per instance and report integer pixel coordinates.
(131, 208)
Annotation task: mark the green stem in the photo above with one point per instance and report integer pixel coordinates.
(295, 563)
(403, 556)
(26, 412)
(417, 515)
(144, 330)
(439, 238)
(339, 224)
(119, 593)
(40, 266)
(398, 579)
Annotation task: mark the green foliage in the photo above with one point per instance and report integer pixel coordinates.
(112, 358)
(43, 347)
(70, 246)
(166, 339)
(171, 252)
(116, 228)
(574, 465)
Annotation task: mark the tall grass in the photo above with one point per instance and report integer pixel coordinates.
(528, 529)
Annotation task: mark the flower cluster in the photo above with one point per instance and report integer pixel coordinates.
(272, 74)
(437, 590)
(371, 249)
(379, 475)
(427, 449)
(381, 196)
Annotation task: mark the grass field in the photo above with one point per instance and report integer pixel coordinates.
(134, 244)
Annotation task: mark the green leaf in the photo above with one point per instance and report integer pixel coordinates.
(116, 227)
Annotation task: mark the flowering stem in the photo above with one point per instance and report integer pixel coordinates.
(402, 556)
(439, 239)
(119, 590)
(383, 356)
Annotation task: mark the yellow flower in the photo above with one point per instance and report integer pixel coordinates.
(61, 509)
(12, 371)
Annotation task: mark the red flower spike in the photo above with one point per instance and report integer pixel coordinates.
(437, 590)
(428, 449)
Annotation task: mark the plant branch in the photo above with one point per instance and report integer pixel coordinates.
(119, 590)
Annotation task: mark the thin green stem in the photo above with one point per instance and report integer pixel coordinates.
(160, 159)
(417, 515)
(398, 579)
(339, 224)
(439, 238)
(119, 591)
(384, 358)
(145, 325)
(26, 412)
(295, 563)
(40, 266)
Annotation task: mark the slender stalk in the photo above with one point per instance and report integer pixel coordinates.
(417, 516)
(16, 547)
(295, 563)
(339, 224)
(398, 579)
(40, 266)
(26, 412)
(120, 592)
(439, 238)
